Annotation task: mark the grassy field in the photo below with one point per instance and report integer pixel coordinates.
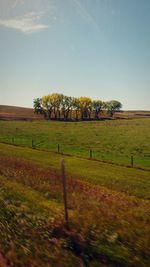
(108, 204)
(128, 180)
(108, 211)
(113, 141)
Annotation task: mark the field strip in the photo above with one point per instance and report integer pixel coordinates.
(79, 157)
(131, 181)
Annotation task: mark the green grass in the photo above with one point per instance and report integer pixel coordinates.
(31, 198)
(131, 181)
(26, 228)
(108, 204)
(108, 227)
(110, 140)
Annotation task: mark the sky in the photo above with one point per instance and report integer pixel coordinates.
(94, 48)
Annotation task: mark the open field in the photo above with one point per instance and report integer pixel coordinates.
(113, 141)
(108, 204)
(18, 113)
(131, 114)
(108, 211)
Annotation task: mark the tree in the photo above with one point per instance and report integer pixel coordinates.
(113, 106)
(56, 101)
(67, 105)
(52, 104)
(97, 108)
(76, 107)
(37, 105)
(60, 106)
(47, 105)
(85, 107)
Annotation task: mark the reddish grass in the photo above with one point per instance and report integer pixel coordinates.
(102, 216)
(18, 113)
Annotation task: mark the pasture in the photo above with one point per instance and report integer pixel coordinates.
(108, 204)
(113, 141)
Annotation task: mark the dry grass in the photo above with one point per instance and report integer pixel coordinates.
(107, 227)
(18, 113)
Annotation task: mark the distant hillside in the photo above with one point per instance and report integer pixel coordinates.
(21, 113)
(18, 113)
(130, 114)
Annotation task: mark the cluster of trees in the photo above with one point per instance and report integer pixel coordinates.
(59, 106)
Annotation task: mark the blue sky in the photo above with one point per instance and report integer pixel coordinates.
(95, 48)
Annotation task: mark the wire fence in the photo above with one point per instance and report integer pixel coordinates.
(128, 160)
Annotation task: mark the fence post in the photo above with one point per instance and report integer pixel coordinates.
(132, 161)
(58, 148)
(90, 153)
(63, 175)
(32, 143)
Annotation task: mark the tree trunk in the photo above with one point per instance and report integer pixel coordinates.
(96, 115)
(76, 114)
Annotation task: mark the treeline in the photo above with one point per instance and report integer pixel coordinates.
(58, 106)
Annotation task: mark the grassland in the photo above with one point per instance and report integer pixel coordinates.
(131, 181)
(108, 204)
(108, 211)
(113, 141)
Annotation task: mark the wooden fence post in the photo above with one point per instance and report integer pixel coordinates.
(33, 144)
(63, 175)
(90, 153)
(58, 148)
(132, 161)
